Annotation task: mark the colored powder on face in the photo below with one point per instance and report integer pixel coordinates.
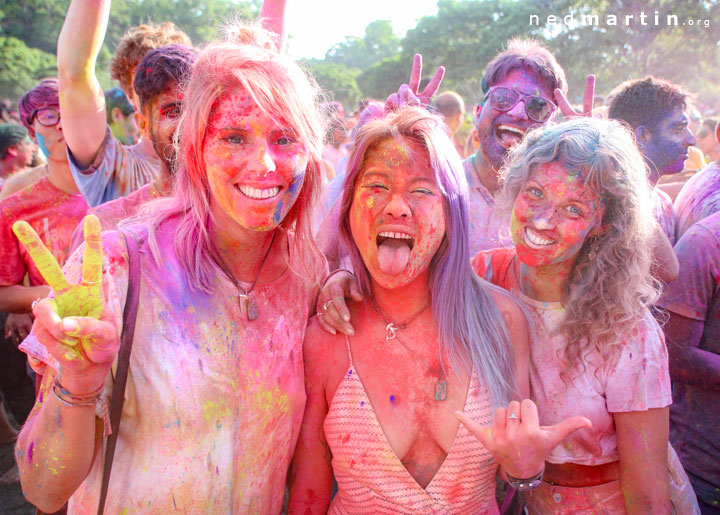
(290, 196)
(30, 451)
(392, 399)
(41, 144)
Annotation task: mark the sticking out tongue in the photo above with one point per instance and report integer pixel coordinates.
(508, 138)
(393, 256)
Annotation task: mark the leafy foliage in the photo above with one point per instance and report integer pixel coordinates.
(464, 36)
(37, 24)
(379, 42)
(21, 67)
(337, 80)
(384, 78)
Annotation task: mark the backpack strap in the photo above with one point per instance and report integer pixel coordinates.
(126, 341)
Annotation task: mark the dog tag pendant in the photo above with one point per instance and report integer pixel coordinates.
(441, 390)
(248, 307)
(252, 310)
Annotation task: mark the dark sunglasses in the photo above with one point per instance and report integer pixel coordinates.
(538, 109)
(46, 116)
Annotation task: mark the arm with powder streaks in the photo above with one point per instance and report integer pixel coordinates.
(56, 447)
(272, 13)
(689, 363)
(311, 471)
(82, 101)
(688, 300)
(643, 444)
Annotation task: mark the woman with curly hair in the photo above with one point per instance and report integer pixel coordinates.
(582, 226)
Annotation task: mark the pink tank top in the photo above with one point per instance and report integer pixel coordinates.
(464, 483)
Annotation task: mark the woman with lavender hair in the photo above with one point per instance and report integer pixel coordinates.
(433, 344)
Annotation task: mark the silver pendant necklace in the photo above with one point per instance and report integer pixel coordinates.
(247, 304)
(391, 333)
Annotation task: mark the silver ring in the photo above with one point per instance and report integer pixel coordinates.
(32, 306)
(327, 305)
(513, 416)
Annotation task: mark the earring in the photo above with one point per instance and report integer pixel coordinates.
(593, 249)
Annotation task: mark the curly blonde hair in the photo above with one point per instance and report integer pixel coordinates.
(137, 42)
(612, 291)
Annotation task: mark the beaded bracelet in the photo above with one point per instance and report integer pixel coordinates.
(89, 399)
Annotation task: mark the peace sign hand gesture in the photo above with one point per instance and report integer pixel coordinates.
(408, 93)
(518, 441)
(588, 100)
(71, 325)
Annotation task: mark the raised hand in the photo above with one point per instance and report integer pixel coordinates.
(588, 99)
(408, 93)
(70, 325)
(518, 441)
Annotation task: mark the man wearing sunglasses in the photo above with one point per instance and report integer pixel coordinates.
(519, 93)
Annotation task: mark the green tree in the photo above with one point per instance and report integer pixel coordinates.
(616, 48)
(379, 42)
(337, 80)
(38, 22)
(384, 78)
(21, 67)
(465, 36)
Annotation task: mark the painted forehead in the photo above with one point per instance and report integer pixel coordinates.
(563, 180)
(238, 105)
(398, 154)
(527, 81)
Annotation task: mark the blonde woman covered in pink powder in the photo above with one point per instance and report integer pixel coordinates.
(582, 226)
(215, 392)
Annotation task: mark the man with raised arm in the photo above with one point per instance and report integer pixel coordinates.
(103, 168)
(157, 86)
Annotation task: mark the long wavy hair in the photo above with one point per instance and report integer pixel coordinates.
(611, 292)
(471, 328)
(245, 59)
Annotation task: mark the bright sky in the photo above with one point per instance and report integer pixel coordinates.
(313, 26)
